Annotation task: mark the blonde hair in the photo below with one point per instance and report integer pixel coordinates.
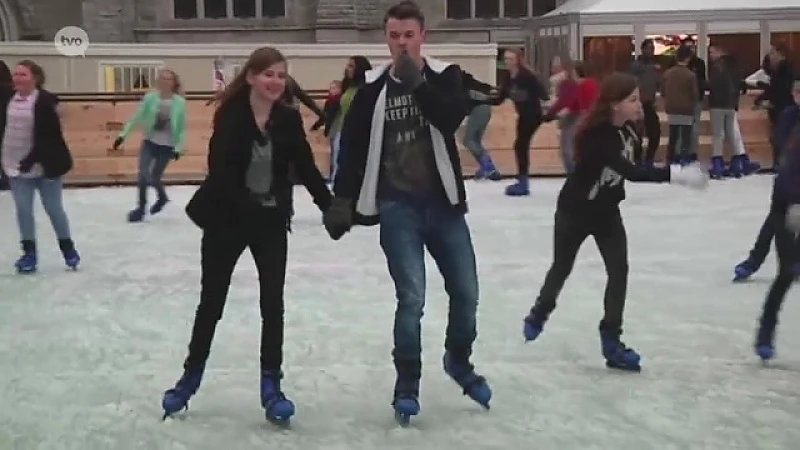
(177, 86)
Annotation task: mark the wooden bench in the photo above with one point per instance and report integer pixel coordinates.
(91, 127)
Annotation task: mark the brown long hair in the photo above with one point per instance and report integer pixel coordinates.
(260, 60)
(614, 89)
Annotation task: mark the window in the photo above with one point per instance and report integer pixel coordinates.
(273, 8)
(244, 9)
(487, 9)
(516, 8)
(542, 7)
(495, 9)
(458, 9)
(228, 9)
(185, 9)
(129, 77)
(215, 9)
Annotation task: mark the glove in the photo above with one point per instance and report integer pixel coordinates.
(548, 118)
(26, 165)
(338, 219)
(117, 143)
(407, 72)
(793, 218)
(176, 156)
(318, 124)
(692, 176)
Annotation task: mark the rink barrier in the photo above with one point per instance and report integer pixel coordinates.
(92, 121)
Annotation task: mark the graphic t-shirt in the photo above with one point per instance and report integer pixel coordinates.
(408, 166)
(162, 129)
(259, 173)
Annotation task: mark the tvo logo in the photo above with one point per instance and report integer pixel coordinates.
(71, 41)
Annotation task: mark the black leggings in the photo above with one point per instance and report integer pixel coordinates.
(220, 250)
(785, 245)
(526, 128)
(652, 129)
(569, 233)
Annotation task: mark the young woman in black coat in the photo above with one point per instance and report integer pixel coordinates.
(245, 202)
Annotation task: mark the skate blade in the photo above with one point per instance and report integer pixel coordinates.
(403, 420)
(283, 423)
(635, 369)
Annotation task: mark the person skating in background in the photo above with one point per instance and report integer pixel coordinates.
(648, 74)
(245, 202)
(565, 110)
(778, 91)
(785, 209)
(162, 118)
(781, 137)
(588, 205)
(481, 96)
(698, 67)
(724, 90)
(679, 90)
(526, 91)
(331, 108)
(35, 157)
(402, 171)
(354, 72)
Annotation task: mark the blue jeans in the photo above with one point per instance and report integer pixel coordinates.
(568, 125)
(477, 121)
(153, 161)
(405, 232)
(51, 192)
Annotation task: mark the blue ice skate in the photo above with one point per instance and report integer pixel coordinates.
(463, 373)
(27, 263)
(277, 408)
(744, 270)
(717, 170)
(406, 399)
(617, 355)
(71, 256)
(487, 169)
(519, 189)
(177, 399)
(765, 344)
(532, 328)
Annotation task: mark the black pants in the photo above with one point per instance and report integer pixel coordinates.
(652, 130)
(609, 234)
(773, 114)
(760, 250)
(680, 142)
(785, 246)
(220, 250)
(526, 128)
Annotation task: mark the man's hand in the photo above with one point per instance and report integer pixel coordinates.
(407, 71)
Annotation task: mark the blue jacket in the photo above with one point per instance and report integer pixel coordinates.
(787, 139)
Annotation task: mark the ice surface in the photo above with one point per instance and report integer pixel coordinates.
(85, 357)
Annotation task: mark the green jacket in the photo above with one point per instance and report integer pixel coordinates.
(148, 112)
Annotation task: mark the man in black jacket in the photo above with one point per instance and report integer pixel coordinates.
(403, 171)
(698, 66)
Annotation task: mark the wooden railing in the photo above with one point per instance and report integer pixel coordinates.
(92, 122)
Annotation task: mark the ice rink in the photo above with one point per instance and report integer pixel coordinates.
(86, 356)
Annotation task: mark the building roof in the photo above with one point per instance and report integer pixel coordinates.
(598, 7)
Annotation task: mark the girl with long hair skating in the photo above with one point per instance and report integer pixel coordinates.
(245, 203)
(588, 205)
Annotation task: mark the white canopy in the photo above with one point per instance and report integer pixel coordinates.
(743, 7)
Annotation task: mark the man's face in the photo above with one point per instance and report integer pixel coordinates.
(714, 53)
(691, 46)
(404, 35)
